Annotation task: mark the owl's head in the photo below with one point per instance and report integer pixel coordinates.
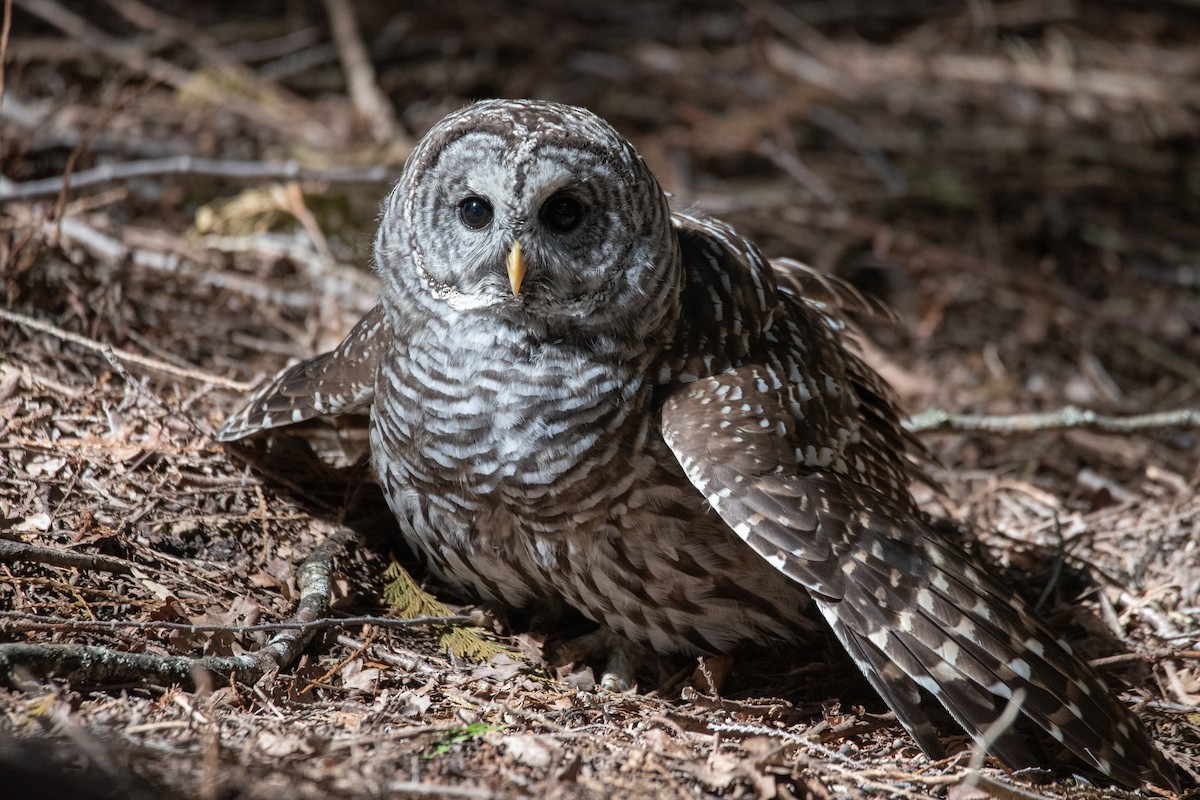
(529, 210)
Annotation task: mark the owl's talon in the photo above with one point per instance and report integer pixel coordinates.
(620, 656)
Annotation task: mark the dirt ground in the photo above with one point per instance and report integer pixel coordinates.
(1019, 179)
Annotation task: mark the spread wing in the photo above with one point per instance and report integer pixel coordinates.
(341, 381)
(798, 447)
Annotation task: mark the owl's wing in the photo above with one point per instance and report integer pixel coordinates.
(827, 291)
(341, 381)
(796, 451)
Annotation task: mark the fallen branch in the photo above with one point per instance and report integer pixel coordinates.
(82, 34)
(103, 665)
(353, 286)
(1152, 657)
(89, 562)
(364, 90)
(32, 622)
(190, 166)
(935, 420)
(123, 355)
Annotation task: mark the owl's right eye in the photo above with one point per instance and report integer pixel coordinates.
(475, 212)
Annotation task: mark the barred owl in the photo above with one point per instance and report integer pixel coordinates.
(578, 395)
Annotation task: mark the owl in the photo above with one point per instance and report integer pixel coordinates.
(579, 395)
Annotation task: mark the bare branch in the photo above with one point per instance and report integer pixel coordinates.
(83, 34)
(190, 166)
(90, 664)
(124, 355)
(360, 76)
(935, 420)
(22, 551)
(33, 622)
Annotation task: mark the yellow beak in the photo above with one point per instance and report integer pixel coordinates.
(516, 268)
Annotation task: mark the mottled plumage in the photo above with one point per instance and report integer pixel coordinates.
(576, 394)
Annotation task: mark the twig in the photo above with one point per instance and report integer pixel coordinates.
(326, 279)
(123, 355)
(103, 665)
(192, 166)
(862, 64)
(150, 19)
(360, 76)
(87, 36)
(294, 199)
(845, 129)
(20, 551)
(371, 633)
(788, 161)
(33, 622)
(414, 789)
(1152, 657)
(993, 734)
(4, 31)
(935, 420)
(99, 122)
(323, 280)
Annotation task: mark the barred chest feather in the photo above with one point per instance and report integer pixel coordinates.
(476, 418)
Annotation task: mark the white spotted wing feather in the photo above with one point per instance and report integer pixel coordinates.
(798, 447)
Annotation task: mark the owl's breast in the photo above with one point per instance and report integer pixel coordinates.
(478, 419)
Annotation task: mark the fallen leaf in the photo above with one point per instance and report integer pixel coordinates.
(532, 750)
(35, 522)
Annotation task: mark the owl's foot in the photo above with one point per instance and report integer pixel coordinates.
(711, 672)
(620, 656)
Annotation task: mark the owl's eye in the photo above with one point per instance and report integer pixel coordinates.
(562, 213)
(475, 212)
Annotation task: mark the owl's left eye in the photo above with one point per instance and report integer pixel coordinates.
(562, 213)
(475, 212)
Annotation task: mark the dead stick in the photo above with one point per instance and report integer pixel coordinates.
(155, 21)
(936, 420)
(4, 31)
(1143, 658)
(88, 562)
(103, 665)
(192, 166)
(86, 35)
(32, 622)
(360, 75)
(123, 355)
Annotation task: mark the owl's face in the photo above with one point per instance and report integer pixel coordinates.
(528, 209)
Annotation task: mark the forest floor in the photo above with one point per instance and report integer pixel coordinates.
(1020, 180)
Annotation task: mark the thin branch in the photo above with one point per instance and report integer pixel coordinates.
(217, 58)
(123, 355)
(33, 622)
(327, 279)
(993, 733)
(191, 166)
(1152, 657)
(4, 31)
(103, 665)
(414, 789)
(935, 420)
(360, 76)
(87, 36)
(88, 562)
